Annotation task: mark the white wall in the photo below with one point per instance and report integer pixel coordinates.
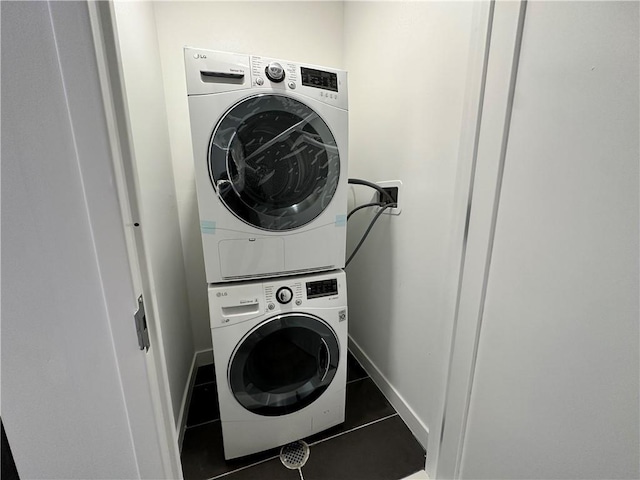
(556, 387)
(159, 221)
(407, 64)
(69, 348)
(309, 32)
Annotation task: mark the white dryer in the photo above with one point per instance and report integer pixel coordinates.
(270, 150)
(280, 354)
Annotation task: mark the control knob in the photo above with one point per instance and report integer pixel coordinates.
(284, 295)
(275, 72)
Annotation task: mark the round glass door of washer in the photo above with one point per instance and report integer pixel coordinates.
(284, 364)
(274, 162)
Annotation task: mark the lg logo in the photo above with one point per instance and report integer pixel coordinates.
(221, 294)
(199, 55)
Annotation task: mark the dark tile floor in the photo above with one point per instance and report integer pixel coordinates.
(373, 442)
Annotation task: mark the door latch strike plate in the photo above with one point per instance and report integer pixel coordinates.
(141, 326)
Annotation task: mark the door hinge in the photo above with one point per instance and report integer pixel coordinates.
(141, 326)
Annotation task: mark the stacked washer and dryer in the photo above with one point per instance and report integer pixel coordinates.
(270, 150)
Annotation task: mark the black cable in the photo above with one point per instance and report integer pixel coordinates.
(383, 192)
(388, 205)
(360, 207)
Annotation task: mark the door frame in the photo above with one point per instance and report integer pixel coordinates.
(103, 29)
(502, 25)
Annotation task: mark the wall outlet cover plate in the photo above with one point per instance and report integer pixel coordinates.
(391, 183)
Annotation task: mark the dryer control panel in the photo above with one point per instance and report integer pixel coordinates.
(209, 71)
(321, 83)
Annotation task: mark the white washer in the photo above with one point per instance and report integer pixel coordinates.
(270, 150)
(280, 354)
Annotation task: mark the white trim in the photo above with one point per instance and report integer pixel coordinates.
(200, 359)
(505, 27)
(408, 415)
(467, 151)
(186, 400)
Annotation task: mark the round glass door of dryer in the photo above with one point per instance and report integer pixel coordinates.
(284, 364)
(274, 162)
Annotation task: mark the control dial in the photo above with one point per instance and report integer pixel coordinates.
(275, 72)
(284, 295)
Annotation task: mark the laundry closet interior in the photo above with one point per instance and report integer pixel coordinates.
(404, 121)
(414, 77)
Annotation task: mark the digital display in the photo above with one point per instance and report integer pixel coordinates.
(322, 288)
(319, 79)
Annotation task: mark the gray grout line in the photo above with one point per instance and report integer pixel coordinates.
(244, 468)
(204, 383)
(357, 379)
(203, 423)
(310, 445)
(354, 429)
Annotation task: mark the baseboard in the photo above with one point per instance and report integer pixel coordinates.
(417, 427)
(204, 357)
(200, 358)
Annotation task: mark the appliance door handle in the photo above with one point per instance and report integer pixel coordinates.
(324, 360)
(209, 73)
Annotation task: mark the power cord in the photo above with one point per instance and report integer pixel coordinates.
(366, 233)
(366, 183)
(360, 207)
(389, 203)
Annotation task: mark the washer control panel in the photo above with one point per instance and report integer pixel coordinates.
(284, 295)
(322, 288)
(296, 292)
(230, 304)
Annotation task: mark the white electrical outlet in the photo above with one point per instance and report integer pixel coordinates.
(391, 183)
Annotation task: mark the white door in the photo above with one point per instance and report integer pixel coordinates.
(79, 397)
(545, 380)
